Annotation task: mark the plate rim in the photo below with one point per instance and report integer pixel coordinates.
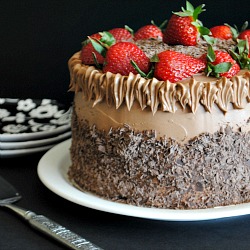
(13, 145)
(21, 152)
(53, 167)
(35, 135)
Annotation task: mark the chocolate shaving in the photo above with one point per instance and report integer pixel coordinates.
(154, 46)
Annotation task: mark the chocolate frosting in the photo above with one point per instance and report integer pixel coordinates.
(137, 168)
(116, 89)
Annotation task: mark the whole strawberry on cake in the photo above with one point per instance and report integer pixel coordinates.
(162, 115)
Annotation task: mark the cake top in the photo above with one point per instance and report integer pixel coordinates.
(179, 57)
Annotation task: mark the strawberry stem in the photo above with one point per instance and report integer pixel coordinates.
(190, 11)
(97, 64)
(244, 26)
(137, 68)
(129, 29)
(161, 26)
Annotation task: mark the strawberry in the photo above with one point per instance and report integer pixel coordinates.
(222, 32)
(91, 54)
(220, 63)
(88, 52)
(121, 34)
(184, 28)
(245, 35)
(175, 66)
(120, 55)
(148, 31)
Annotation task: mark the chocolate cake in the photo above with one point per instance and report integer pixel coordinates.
(157, 143)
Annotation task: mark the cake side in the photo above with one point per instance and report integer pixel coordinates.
(154, 143)
(135, 167)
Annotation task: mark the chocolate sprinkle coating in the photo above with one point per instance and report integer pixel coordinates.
(134, 167)
(154, 46)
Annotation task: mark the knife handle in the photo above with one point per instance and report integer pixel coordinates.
(53, 229)
(59, 232)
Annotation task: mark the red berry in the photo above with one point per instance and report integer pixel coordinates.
(175, 66)
(245, 35)
(184, 27)
(121, 34)
(180, 30)
(88, 50)
(147, 32)
(222, 56)
(222, 32)
(119, 56)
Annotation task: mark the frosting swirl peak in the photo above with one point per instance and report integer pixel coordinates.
(116, 89)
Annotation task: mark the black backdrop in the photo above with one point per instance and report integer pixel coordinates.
(38, 37)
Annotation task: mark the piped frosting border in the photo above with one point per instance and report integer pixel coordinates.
(116, 89)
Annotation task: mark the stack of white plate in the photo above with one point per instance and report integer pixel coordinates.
(29, 126)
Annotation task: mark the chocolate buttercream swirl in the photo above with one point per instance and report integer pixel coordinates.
(240, 91)
(209, 96)
(197, 90)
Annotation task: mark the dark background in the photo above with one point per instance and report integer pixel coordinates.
(36, 40)
(38, 37)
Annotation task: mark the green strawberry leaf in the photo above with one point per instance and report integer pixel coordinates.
(234, 55)
(243, 46)
(215, 70)
(203, 30)
(150, 73)
(161, 26)
(209, 39)
(222, 67)
(85, 42)
(189, 7)
(240, 54)
(129, 29)
(97, 64)
(210, 54)
(185, 12)
(190, 11)
(248, 65)
(198, 11)
(137, 68)
(209, 69)
(107, 38)
(154, 58)
(244, 26)
(234, 31)
(98, 47)
(182, 14)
